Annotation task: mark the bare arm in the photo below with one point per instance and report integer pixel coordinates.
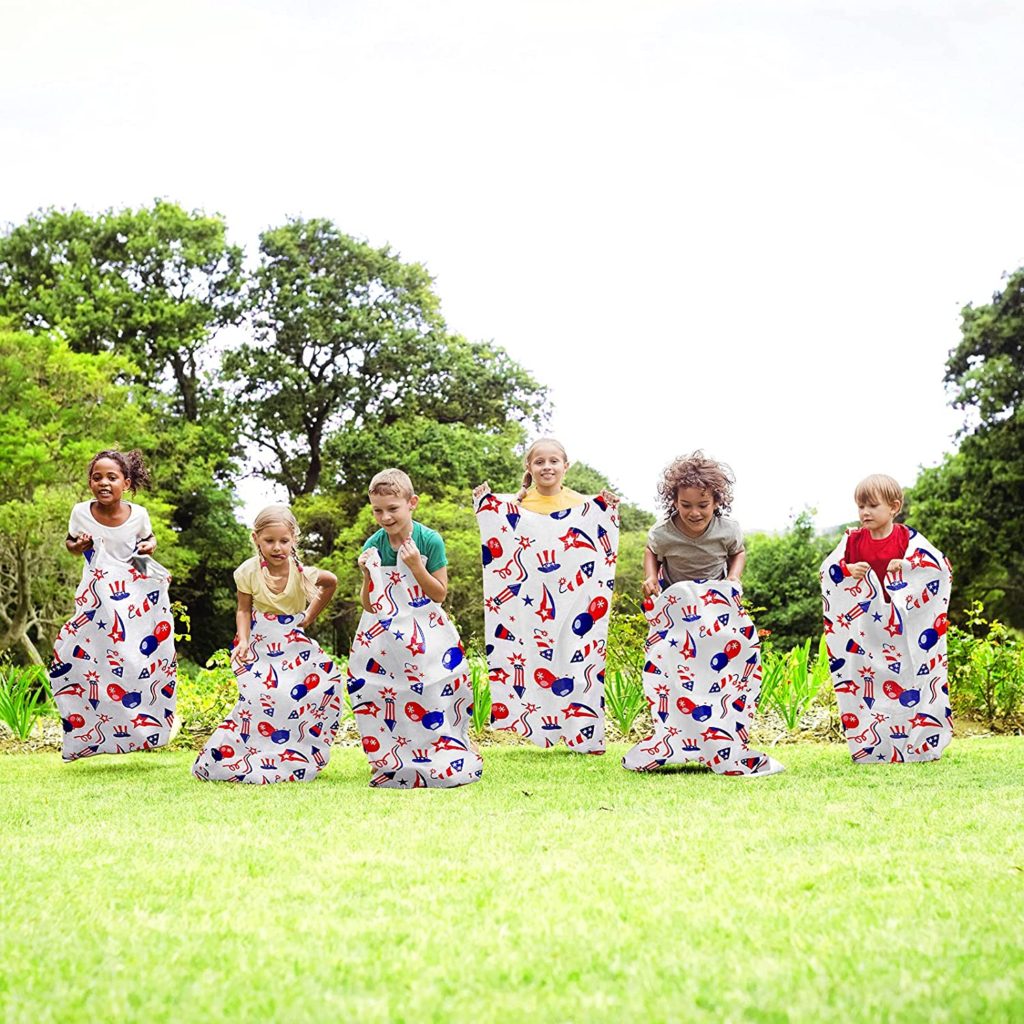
(326, 584)
(364, 590)
(243, 620)
(736, 566)
(651, 586)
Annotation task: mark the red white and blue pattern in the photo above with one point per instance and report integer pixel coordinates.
(408, 680)
(114, 670)
(888, 658)
(702, 680)
(289, 705)
(548, 582)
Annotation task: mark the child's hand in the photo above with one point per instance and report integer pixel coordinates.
(82, 543)
(652, 588)
(858, 570)
(146, 547)
(242, 654)
(480, 490)
(363, 559)
(610, 497)
(894, 564)
(408, 552)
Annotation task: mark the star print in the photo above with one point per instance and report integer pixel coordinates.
(101, 625)
(528, 601)
(673, 642)
(504, 529)
(877, 617)
(398, 635)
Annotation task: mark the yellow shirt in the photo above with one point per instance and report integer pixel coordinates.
(291, 600)
(548, 503)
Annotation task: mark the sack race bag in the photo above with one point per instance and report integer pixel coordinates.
(548, 582)
(408, 680)
(888, 658)
(114, 670)
(702, 680)
(289, 705)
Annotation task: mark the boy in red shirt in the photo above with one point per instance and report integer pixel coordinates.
(880, 543)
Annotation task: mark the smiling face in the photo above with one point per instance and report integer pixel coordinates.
(107, 483)
(876, 514)
(547, 466)
(695, 508)
(394, 514)
(275, 542)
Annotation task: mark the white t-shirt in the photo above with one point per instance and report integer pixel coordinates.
(120, 541)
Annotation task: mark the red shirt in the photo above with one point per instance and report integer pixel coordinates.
(862, 547)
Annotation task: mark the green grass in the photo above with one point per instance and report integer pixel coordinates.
(561, 888)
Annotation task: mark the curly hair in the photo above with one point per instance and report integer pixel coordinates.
(697, 470)
(131, 465)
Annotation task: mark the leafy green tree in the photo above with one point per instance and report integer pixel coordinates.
(781, 580)
(350, 340)
(972, 505)
(151, 284)
(57, 409)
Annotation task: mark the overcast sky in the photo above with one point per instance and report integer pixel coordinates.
(702, 224)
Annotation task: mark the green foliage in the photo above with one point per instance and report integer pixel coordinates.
(587, 480)
(972, 505)
(24, 697)
(624, 698)
(790, 682)
(205, 696)
(986, 671)
(152, 284)
(781, 580)
(481, 683)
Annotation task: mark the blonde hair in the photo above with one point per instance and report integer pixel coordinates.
(282, 515)
(880, 486)
(530, 452)
(392, 481)
(696, 470)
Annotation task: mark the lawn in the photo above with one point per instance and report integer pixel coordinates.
(561, 888)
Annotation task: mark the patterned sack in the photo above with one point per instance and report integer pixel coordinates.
(548, 582)
(289, 704)
(114, 670)
(702, 680)
(888, 659)
(410, 688)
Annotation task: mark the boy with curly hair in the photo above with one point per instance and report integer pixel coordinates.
(695, 541)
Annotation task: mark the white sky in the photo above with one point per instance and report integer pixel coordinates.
(689, 219)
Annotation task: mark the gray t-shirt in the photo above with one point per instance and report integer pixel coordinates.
(695, 558)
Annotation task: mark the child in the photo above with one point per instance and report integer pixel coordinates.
(544, 467)
(289, 697)
(408, 676)
(880, 543)
(114, 669)
(695, 541)
(885, 591)
(421, 549)
(549, 557)
(702, 678)
(123, 526)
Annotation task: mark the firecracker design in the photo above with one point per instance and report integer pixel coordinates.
(408, 679)
(702, 680)
(289, 703)
(548, 583)
(888, 657)
(114, 677)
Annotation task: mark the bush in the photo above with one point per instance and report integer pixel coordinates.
(24, 698)
(986, 671)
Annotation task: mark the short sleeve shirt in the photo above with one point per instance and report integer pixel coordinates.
(534, 501)
(862, 547)
(120, 541)
(291, 600)
(695, 558)
(427, 541)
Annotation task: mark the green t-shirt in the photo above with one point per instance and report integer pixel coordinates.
(428, 541)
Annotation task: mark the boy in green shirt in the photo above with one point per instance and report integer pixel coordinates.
(421, 549)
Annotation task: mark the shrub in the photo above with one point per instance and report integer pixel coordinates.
(24, 697)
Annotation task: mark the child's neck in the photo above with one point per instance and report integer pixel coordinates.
(396, 540)
(548, 490)
(113, 515)
(882, 531)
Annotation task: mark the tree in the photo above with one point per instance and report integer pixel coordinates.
(350, 340)
(972, 505)
(781, 577)
(57, 409)
(152, 284)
